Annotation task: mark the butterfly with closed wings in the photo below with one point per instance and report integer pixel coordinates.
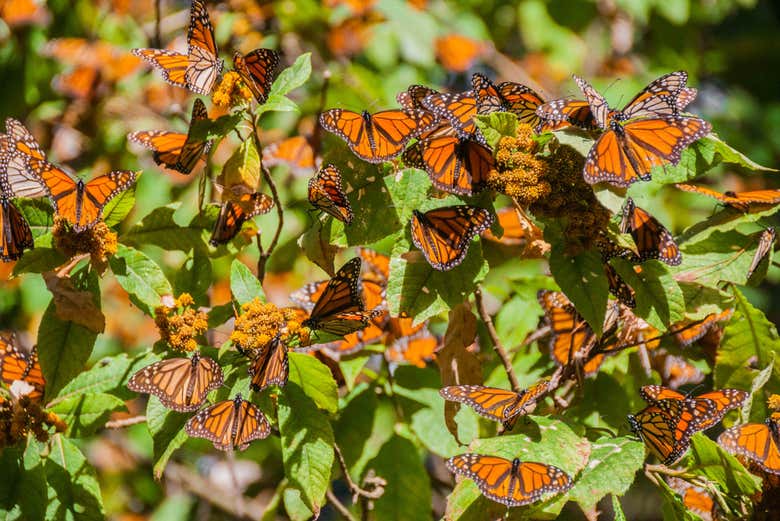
(326, 193)
(234, 213)
(258, 70)
(652, 239)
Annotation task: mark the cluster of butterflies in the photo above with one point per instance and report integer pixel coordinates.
(198, 71)
(26, 172)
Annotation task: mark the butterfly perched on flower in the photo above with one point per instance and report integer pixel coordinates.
(455, 165)
(234, 213)
(17, 366)
(742, 201)
(175, 150)
(652, 239)
(444, 234)
(340, 309)
(229, 424)
(494, 403)
(766, 242)
(380, 136)
(506, 97)
(199, 68)
(510, 482)
(647, 132)
(758, 442)
(564, 112)
(258, 70)
(457, 108)
(686, 332)
(181, 384)
(270, 366)
(326, 193)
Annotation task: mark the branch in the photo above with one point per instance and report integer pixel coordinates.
(207, 491)
(377, 483)
(339, 506)
(497, 346)
(125, 422)
(280, 214)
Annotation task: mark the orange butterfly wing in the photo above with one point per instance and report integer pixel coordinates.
(294, 151)
(619, 288)
(326, 193)
(181, 384)
(459, 109)
(171, 64)
(742, 201)
(455, 165)
(258, 70)
(15, 233)
(16, 366)
(652, 239)
(766, 242)
(167, 145)
(229, 423)
(233, 215)
(562, 113)
(757, 442)
(660, 433)
(688, 332)
(444, 234)
(270, 366)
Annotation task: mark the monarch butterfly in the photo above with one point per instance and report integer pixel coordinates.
(180, 152)
(270, 366)
(339, 310)
(409, 343)
(662, 433)
(695, 498)
(646, 133)
(742, 201)
(234, 214)
(619, 288)
(15, 233)
(412, 97)
(510, 482)
(506, 97)
(766, 242)
(758, 442)
(326, 193)
(294, 152)
(229, 424)
(258, 70)
(455, 165)
(377, 265)
(78, 202)
(380, 136)
(652, 239)
(571, 338)
(199, 68)
(181, 384)
(353, 342)
(17, 146)
(496, 404)
(687, 332)
(457, 53)
(706, 409)
(372, 294)
(459, 108)
(636, 331)
(562, 113)
(14, 365)
(444, 234)
(675, 371)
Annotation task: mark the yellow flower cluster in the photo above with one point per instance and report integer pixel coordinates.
(98, 241)
(774, 402)
(180, 324)
(21, 416)
(260, 323)
(519, 173)
(231, 91)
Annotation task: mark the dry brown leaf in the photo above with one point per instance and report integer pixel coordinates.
(74, 305)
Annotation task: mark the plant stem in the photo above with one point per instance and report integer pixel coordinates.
(125, 422)
(497, 345)
(338, 505)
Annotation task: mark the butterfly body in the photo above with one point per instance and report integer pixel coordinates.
(229, 424)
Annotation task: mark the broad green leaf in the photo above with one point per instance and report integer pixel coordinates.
(722, 256)
(307, 445)
(218, 315)
(74, 492)
(701, 301)
(295, 506)
(242, 168)
(364, 426)
(659, 300)
(160, 229)
(23, 489)
(407, 496)
(141, 277)
(749, 340)
(317, 246)
(352, 367)
(121, 205)
(194, 277)
(315, 380)
(38, 213)
(549, 441)
(39, 260)
(497, 125)
(708, 459)
(289, 79)
(244, 284)
(85, 414)
(63, 350)
(582, 279)
(208, 129)
(714, 150)
(611, 469)
(167, 430)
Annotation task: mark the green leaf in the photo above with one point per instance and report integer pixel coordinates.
(611, 469)
(39, 260)
(364, 426)
(121, 205)
(87, 413)
(74, 492)
(497, 125)
(307, 445)
(288, 80)
(720, 256)
(242, 168)
(244, 284)
(63, 350)
(208, 129)
(23, 489)
(659, 300)
(407, 496)
(547, 440)
(715, 151)
(167, 430)
(315, 380)
(141, 277)
(582, 280)
(159, 229)
(109, 375)
(38, 213)
(194, 277)
(749, 340)
(295, 506)
(708, 459)
(617, 509)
